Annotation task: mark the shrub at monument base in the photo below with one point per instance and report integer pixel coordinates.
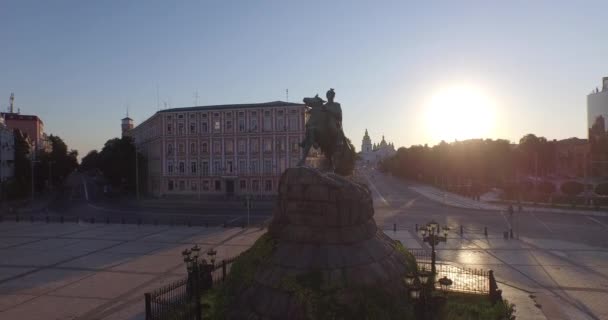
(320, 300)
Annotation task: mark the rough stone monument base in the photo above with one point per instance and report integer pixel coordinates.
(327, 256)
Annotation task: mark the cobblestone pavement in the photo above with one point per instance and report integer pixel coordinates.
(97, 271)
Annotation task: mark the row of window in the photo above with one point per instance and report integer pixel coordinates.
(216, 185)
(230, 168)
(268, 146)
(242, 125)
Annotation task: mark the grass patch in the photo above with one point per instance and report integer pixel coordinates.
(462, 306)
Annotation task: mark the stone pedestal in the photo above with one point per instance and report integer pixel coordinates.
(323, 225)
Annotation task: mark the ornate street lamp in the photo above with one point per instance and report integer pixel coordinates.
(211, 253)
(415, 291)
(430, 235)
(409, 279)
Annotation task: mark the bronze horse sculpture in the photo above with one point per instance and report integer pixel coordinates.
(324, 132)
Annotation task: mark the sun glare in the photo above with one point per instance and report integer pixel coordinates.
(458, 113)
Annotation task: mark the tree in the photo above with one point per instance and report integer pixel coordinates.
(117, 162)
(572, 188)
(602, 189)
(347, 160)
(90, 161)
(546, 187)
(20, 185)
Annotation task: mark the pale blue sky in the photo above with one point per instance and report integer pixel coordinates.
(78, 64)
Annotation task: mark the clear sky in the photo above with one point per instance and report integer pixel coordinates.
(79, 64)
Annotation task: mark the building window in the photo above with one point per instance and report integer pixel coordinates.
(280, 124)
(204, 148)
(241, 124)
(204, 127)
(170, 149)
(182, 185)
(268, 185)
(229, 146)
(180, 148)
(170, 167)
(294, 145)
(281, 144)
(229, 166)
(243, 185)
(242, 148)
(267, 145)
(216, 125)
(206, 185)
(254, 145)
(253, 126)
(181, 116)
(218, 185)
(267, 121)
(229, 114)
(193, 147)
(228, 125)
(205, 168)
(242, 167)
(217, 147)
(170, 185)
(255, 185)
(267, 166)
(204, 116)
(193, 185)
(180, 128)
(293, 123)
(192, 128)
(216, 167)
(182, 167)
(193, 167)
(169, 128)
(254, 167)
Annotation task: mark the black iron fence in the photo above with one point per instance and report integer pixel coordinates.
(463, 279)
(182, 298)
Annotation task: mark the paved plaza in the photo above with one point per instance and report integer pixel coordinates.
(97, 271)
(555, 267)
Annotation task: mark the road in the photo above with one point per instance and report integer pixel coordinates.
(559, 259)
(82, 198)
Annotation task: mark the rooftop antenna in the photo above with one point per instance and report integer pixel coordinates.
(286, 95)
(157, 98)
(196, 98)
(12, 102)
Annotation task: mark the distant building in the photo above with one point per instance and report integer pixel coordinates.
(572, 157)
(373, 153)
(597, 113)
(222, 149)
(30, 125)
(7, 152)
(126, 126)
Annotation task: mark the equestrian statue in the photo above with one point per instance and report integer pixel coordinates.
(324, 131)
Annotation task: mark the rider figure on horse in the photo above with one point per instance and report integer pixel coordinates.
(336, 112)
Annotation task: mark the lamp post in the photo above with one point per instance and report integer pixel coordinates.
(430, 235)
(136, 174)
(419, 291)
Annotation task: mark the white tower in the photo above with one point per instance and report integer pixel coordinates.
(366, 144)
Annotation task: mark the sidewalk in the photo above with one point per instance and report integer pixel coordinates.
(455, 200)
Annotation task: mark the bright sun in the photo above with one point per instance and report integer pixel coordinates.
(458, 113)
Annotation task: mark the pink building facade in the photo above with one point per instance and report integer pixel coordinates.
(239, 149)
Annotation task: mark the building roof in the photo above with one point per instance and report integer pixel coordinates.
(127, 118)
(18, 116)
(235, 106)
